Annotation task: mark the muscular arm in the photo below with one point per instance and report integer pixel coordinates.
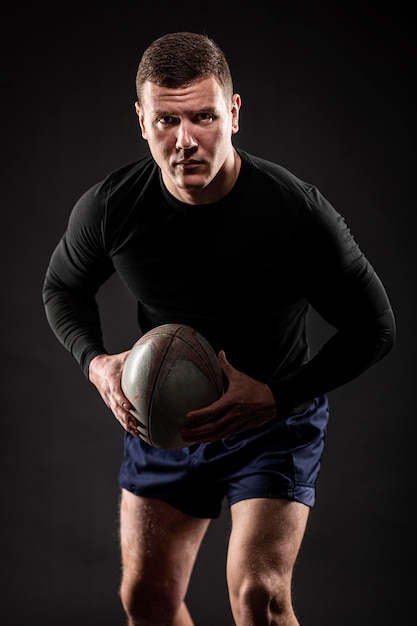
(344, 289)
(78, 267)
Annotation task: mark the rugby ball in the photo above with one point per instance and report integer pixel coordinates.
(169, 371)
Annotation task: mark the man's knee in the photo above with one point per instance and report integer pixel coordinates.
(149, 604)
(260, 599)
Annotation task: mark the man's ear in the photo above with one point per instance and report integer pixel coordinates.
(236, 103)
(139, 113)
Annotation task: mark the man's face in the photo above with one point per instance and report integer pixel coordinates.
(189, 132)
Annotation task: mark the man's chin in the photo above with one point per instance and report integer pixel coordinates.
(189, 183)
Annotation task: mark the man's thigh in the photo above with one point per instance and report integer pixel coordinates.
(267, 535)
(158, 542)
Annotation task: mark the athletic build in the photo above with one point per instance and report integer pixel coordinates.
(238, 248)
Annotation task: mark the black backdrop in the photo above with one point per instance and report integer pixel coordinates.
(328, 93)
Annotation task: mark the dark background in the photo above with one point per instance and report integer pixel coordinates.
(328, 92)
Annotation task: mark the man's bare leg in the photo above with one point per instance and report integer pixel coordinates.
(159, 546)
(265, 540)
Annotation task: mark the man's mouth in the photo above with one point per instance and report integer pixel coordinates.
(189, 163)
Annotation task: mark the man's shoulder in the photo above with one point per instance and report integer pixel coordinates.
(130, 173)
(275, 172)
(117, 191)
(275, 182)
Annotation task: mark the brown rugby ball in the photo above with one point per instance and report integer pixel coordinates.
(169, 371)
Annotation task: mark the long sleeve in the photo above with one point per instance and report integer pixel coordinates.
(78, 267)
(342, 286)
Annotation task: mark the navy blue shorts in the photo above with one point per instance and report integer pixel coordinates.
(280, 459)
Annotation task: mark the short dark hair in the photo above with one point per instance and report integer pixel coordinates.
(178, 59)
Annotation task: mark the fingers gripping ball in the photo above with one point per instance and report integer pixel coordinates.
(170, 370)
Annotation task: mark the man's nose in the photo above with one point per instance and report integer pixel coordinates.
(185, 137)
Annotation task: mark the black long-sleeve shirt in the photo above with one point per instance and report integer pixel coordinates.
(242, 271)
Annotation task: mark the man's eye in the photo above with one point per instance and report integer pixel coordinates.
(166, 119)
(205, 117)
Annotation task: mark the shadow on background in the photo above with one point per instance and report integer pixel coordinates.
(329, 95)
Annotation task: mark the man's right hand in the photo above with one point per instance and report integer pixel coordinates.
(105, 373)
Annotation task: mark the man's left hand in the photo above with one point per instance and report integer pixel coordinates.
(247, 403)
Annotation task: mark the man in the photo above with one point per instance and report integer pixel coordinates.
(238, 248)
